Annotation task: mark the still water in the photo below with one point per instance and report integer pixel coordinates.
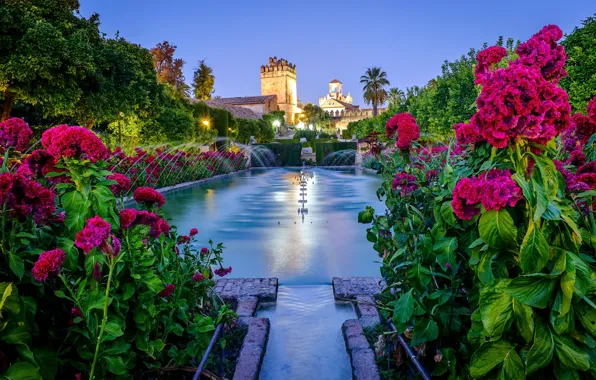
(256, 215)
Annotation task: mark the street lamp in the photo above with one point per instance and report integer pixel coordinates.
(300, 125)
(310, 127)
(276, 124)
(206, 123)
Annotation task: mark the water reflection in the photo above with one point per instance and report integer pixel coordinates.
(255, 215)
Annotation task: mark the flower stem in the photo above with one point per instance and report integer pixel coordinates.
(105, 319)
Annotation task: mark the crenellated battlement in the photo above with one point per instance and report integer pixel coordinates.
(278, 65)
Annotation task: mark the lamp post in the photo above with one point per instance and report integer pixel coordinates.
(310, 127)
(206, 123)
(276, 124)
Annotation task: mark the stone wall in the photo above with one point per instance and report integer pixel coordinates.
(342, 122)
(279, 78)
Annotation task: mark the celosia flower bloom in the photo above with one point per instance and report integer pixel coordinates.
(543, 52)
(148, 195)
(198, 276)
(488, 58)
(204, 251)
(123, 184)
(405, 126)
(94, 234)
(15, 133)
(127, 217)
(183, 239)
(466, 197)
(193, 232)
(221, 272)
(74, 142)
(48, 263)
(591, 109)
(467, 134)
(431, 175)
(167, 291)
(130, 217)
(76, 312)
(404, 183)
(40, 162)
(25, 197)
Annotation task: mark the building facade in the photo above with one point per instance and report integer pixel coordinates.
(278, 78)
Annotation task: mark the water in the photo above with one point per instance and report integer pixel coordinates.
(256, 215)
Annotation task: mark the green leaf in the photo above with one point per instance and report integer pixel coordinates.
(541, 352)
(496, 309)
(564, 296)
(10, 299)
(513, 367)
(532, 289)
(587, 316)
(524, 320)
(497, 229)
(570, 355)
(534, 251)
(583, 275)
(366, 216)
(112, 331)
(447, 214)
(445, 250)
(22, 371)
(115, 365)
(424, 331)
(489, 356)
(404, 307)
(16, 264)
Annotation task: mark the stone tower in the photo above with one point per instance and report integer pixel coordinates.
(278, 77)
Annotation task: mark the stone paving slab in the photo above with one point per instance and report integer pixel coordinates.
(253, 349)
(362, 357)
(348, 288)
(366, 310)
(234, 289)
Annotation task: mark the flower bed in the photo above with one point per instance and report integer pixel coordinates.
(488, 244)
(91, 290)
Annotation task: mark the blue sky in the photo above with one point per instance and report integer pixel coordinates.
(328, 39)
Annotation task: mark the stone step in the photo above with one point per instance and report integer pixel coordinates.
(362, 357)
(248, 365)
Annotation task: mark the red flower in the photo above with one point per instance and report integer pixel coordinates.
(431, 175)
(15, 133)
(183, 239)
(467, 134)
(167, 291)
(74, 142)
(488, 58)
(127, 217)
(404, 183)
(543, 52)
(48, 263)
(96, 231)
(204, 251)
(591, 109)
(193, 232)
(405, 126)
(25, 197)
(198, 276)
(76, 312)
(149, 196)
(123, 184)
(221, 272)
(159, 227)
(40, 162)
(466, 197)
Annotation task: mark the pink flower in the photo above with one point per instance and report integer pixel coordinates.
(466, 197)
(96, 231)
(591, 109)
(467, 134)
(184, 239)
(167, 291)
(123, 184)
(25, 197)
(159, 227)
(405, 126)
(74, 142)
(127, 217)
(204, 251)
(40, 162)
(48, 263)
(404, 183)
(76, 312)
(488, 58)
(193, 232)
(15, 133)
(543, 52)
(221, 272)
(198, 276)
(148, 195)
(431, 175)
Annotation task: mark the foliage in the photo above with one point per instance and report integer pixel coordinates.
(276, 154)
(314, 115)
(169, 69)
(581, 64)
(260, 129)
(203, 81)
(396, 97)
(488, 249)
(90, 288)
(374, 82)
(336, 153)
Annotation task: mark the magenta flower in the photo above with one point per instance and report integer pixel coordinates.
(122, 186)
(48, 263)
(404, 183)
(127, 217)
(64, 141)
(221, 272)
(15, 133)
(193, 232)
(198, 276)
(149, 196)
(405, 126)
(488, 58)
(167, 291)
(96, 231)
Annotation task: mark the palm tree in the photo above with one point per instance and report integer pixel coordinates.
(375, 81)
(396, 97)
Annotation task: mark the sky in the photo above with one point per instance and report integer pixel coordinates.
(328, 39)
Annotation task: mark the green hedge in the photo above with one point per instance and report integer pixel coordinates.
(325, 149)
(283, 154)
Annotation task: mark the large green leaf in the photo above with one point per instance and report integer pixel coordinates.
(533, 289)
(497, 229)
(425, 330)
(22, 371)
(404, 307)
(489, 356)
(541, 352)
(583, 275)
(115, 365)
(565, 294)
(534, 250)
(570, 355)
(10, 299)
(524, 320)
(496, 309)
(587, 316)
(445, 251)
(513, 367)
(16, 264)
(447, 213)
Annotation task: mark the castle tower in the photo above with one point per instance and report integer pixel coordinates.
(335, 89)
(278, 77)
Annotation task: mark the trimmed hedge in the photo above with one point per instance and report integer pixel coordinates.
(283, 154)
(325, 149)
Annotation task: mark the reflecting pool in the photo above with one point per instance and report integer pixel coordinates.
(255, 214)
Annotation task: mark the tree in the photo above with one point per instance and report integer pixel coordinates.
(580, 47)
(396, 97)
(169, 69)
(45, 50)
(374, 82)
(315, 115)
(203, 81)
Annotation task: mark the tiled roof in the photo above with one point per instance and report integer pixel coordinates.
(236, 111)
(244, 100)
(335, 81)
